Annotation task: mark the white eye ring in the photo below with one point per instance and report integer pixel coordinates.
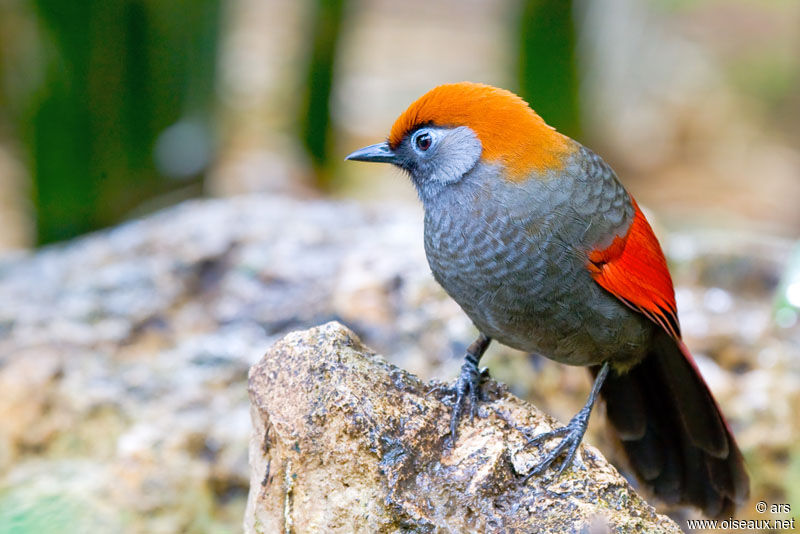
(422, 141)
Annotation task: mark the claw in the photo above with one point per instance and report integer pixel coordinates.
(547, 435)
(573, 435)
(573, 432)
(467, 385)
(466, 390)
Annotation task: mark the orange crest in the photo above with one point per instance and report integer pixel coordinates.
(511, 133)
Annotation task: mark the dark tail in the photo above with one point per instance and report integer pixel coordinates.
(674, 434)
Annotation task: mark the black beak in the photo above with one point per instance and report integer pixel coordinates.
(379, 152)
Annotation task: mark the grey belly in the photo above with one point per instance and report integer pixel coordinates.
(552, 307)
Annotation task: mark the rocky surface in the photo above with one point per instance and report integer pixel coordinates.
(124, 354)
(344, 442)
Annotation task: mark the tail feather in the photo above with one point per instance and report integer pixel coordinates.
(674, 433)
(697, 408)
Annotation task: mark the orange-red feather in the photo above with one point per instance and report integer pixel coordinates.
(510, 132)
(634, 270)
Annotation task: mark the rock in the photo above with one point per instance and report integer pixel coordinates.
(124, 354)
(345, 442)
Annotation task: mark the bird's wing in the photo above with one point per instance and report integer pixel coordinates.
(634, 270)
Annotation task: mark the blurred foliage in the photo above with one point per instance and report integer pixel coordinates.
(792, 479)
(90, 91)
(116, 74)
(26, 511)
(315, 114)
(546, 66)
(106, 81)
(787, 301)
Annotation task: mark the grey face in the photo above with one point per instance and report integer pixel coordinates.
(434, 157)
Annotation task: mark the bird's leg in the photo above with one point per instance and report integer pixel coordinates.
(573, 432)
(468, 382)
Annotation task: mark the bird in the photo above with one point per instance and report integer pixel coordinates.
(536, 239)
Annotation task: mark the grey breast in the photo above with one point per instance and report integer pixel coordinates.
(514, 258)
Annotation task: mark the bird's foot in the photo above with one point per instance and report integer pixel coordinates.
(467, 387)
(467, 390)
(572, 437)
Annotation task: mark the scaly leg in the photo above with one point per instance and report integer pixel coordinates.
(468, 382)
(573, 432)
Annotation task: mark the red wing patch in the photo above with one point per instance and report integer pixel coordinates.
(634, 270)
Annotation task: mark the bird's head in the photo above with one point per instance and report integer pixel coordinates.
(453, 128)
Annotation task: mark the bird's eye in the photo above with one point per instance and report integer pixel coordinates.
(423, 141)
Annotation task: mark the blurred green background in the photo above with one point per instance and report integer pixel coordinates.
(113, 109)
